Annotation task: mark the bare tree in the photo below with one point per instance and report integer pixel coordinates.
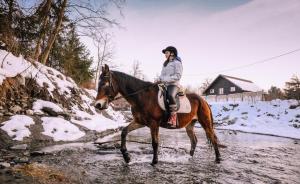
(204, 85)
(44, 17)
(104, 53)
(54, 33)
(136, 70)
(92, 16)
(89, 17)
(274, 93)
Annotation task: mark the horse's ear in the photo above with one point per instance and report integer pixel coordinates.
(106, 68)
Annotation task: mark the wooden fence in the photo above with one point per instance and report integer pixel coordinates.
(237, 97)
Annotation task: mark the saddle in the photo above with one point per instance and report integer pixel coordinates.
(182, 102)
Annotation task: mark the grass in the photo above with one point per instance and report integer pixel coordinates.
(42, 173)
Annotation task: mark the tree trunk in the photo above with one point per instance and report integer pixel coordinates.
(45, 19)
(53, 35)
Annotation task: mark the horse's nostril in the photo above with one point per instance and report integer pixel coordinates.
(98, 106)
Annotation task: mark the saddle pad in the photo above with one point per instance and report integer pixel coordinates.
(185, 105)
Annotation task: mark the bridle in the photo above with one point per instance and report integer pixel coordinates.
(111, 86)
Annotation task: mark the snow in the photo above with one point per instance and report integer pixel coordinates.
(274, 117)
(40, 104)
(17, 127)
(60, 129)
(13, 66)
(247, 86)
(100, 123)
(57, 128)
(116, 115)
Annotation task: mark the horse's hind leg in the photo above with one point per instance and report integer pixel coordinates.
(132, 126)
(206, 121)
(212, 138)
(190, 131)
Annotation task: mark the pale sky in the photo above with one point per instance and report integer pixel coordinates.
(212, 36)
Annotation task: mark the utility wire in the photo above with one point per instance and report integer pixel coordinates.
(248, 65)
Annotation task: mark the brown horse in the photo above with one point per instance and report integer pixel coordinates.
(142, 97)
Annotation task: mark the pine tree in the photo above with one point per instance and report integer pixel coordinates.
(292, 90)
(71, 57)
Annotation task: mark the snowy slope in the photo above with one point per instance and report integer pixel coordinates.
(277, 117)
(59, 128)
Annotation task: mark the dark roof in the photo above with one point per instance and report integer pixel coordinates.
(250, 86)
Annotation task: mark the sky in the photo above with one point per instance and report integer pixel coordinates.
(211, 36)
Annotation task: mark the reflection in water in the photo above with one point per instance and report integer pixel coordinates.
(248, 158)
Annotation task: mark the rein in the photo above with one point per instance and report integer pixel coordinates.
(134, 93)
(111, 99)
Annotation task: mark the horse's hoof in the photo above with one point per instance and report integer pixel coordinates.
(154, 162)
(192, 152)
(126, 157)
(218, 160)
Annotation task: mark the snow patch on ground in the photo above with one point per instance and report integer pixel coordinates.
(60, 129)
(17, 127)
(13, 66)
(40, 104)
(100, 123)
(274, 117)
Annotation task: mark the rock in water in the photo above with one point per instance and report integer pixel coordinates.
(19, 147)
(29, 112)
(15, 109)
(4, 165)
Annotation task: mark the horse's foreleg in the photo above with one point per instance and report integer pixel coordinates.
(190, 131)
(154, 135)
(132, 126)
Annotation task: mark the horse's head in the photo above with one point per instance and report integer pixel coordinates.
(106, 89)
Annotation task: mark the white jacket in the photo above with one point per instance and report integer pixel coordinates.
(171, 74)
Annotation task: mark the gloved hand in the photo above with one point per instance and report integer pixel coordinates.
(157, 81)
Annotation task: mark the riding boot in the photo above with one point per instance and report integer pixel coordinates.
(173, 116)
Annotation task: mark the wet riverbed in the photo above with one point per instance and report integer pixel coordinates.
(248, 158)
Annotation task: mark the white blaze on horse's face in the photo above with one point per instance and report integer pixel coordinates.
(105, 89)
(102, 104)
(102, 98)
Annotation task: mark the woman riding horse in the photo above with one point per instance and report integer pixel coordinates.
(143, 98)
(170, 76)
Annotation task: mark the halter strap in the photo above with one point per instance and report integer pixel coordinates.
(134, 93)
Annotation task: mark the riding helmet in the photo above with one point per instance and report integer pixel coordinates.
(171, 49)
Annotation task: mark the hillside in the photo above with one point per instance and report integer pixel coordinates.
(40, 105)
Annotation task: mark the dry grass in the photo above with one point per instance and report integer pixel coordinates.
(42, 173)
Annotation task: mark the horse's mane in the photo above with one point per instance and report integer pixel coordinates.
(128, 80)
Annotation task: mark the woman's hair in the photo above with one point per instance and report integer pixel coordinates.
(167, 60)
(166, 63)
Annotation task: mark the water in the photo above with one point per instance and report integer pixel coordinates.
(248, 158)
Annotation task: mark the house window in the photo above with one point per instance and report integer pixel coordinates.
(221, 91)
(212, 91)
(232, 89)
